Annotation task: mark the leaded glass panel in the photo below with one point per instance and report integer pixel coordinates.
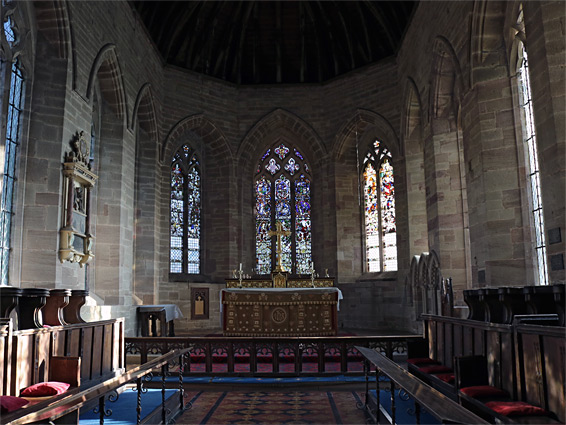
(282, 181)
(263, 222)
(372, 219)
(283, 214)
(389, 229)
(532, 160)
(185, 212)
(12, 141)
(303, 225)
(379, 210)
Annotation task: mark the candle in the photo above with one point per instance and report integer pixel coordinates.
(312, 265)
(240, 266)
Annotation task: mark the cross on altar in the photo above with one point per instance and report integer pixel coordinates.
(279, 250)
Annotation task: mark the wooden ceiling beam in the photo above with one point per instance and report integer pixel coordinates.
(241, 44)
(318, 46)
(346, 36)
(383, 23)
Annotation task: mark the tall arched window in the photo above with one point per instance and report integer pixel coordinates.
(282, 192)
(530, 139)
(12, 77)
(185, 212)
(379, 207)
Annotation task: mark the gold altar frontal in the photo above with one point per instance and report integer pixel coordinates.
(281, 280)
(280, 312)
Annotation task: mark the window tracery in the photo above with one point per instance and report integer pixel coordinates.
(282, 192)
(185, 213)
(379, 210)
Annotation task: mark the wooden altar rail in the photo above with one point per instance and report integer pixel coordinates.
(255, 347)
(66, 407)
(25, 355)
(526, 360)
(437, 404)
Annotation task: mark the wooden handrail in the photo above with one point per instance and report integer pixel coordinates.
(440, 406)
(73, 402)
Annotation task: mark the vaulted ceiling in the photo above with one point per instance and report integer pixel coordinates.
(269, 42)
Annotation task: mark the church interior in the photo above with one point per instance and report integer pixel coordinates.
(276, 189)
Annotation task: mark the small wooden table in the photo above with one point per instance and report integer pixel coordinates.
(165, 313)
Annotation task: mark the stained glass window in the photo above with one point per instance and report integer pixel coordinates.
(12, 142)
(185, 212)
(282, 180)
(530, 138)
(379, 210)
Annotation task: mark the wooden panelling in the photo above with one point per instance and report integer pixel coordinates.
(86, 353)
(479, 342)
(533, 390)
(468, 340)
(96, 360)
(448, 344)
(107, 351)
(555, 365)
(26, 356)
(508, 375)
(526, 359)
(493, 355)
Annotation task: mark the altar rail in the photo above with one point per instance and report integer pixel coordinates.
(440, 406)
(237, 353)
(526, 360)
(25, 355)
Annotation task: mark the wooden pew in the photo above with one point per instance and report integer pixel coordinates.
(443, 408)
(524, 359)
(99, 345)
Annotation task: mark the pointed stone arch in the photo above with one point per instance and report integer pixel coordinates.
(413, 147)
(146, 227)
(364, 125)
(275, 123)
(52, 18)
(144, 112)
(447, 82)
(487, 52)
(445, 172)
(106, 69)
(214, 142)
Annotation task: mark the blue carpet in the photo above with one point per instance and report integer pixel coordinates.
(404, 409)
(124, 409)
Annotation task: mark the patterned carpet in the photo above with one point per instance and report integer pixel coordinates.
(261, 407)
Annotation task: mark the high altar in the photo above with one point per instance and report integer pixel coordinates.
(280, 305)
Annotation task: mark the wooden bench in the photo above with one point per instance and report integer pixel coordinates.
(524, 359)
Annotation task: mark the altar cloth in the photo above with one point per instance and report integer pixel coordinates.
(280, 312)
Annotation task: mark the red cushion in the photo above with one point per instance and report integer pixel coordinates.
(435, 369)
(45, 388)
(421, 360)
(446, 377)
(10, 403)
(515, 408)
(484, 391)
